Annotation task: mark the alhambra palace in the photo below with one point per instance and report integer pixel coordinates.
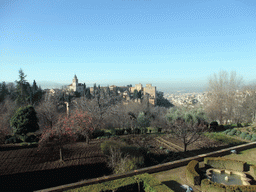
(125, 91)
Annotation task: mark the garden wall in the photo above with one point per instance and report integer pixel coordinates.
(152, 169)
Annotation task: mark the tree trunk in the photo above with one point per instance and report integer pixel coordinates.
(185, 147)
(87, 139)
(61, 156)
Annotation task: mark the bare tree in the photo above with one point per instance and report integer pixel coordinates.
(222, 102)
(248, 104)
(7, 110)
(188, 133)
(98, 109)
(186, 124)
(160, 120)
(118, 113)
(47, 112)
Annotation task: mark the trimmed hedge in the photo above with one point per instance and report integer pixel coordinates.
(149, 183)
(191, 173)
(253, 170)
(222, 163)
(209, 186)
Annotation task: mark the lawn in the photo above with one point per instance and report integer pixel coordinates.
(248, 156)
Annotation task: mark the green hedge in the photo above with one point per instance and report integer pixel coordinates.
(253, 170)
(191, 172)
(150, 184)
(209, 186)
(222, 163)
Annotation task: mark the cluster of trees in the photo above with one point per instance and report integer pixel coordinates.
(22, 92)
(228, 100)
(24, 109)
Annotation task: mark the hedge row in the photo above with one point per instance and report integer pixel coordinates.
(209, 186)
(221, 163)
(149, 183)
(191, 172)
(253, 170)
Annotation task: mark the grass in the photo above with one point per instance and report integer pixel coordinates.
(223, 138)
(248, 156)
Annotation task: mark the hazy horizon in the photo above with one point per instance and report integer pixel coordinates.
(169, 44)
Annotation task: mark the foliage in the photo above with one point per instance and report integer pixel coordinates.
(187, 125)
(65, 131)
(123, 157)
(223, 138)
(24, 120)
(149, 183)
(161, 101)
(98, 133)
(232, 132)
(238, 132)
(243, 135)
(143, 121)
(248, 137)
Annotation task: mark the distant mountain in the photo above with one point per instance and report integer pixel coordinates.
(50, 85)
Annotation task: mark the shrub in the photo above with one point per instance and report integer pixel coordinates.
(13, 139)
(253, 135)
(248, 137)
(129, 130)
(113, 131)
(238, 132)
(232, 132)
(105, 146)
(227, 131)
(239, 125)
(98, 133)
(24, 120)
(137, 131)
(214, 125)
(243, 135)
(253, 139)
(119, 131)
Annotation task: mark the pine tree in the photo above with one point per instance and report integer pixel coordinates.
(21, 89)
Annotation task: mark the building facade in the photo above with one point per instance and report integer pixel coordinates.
(75, 86)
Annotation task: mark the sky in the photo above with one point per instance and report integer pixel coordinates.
(168, 43)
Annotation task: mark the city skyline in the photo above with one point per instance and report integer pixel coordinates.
(167, 44)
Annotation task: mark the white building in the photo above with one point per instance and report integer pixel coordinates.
(75, 86)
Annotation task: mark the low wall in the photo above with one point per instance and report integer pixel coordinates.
(152, 169)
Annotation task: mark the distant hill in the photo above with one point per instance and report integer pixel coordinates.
(50, 85)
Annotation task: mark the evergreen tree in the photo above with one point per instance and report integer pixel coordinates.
(34, 87)
(3, 91)
(24, 120)
(94, 89)
(21, 89)
(135, 94)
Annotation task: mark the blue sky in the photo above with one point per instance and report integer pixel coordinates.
(164, 42)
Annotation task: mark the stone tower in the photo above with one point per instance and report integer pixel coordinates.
(75, 83)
